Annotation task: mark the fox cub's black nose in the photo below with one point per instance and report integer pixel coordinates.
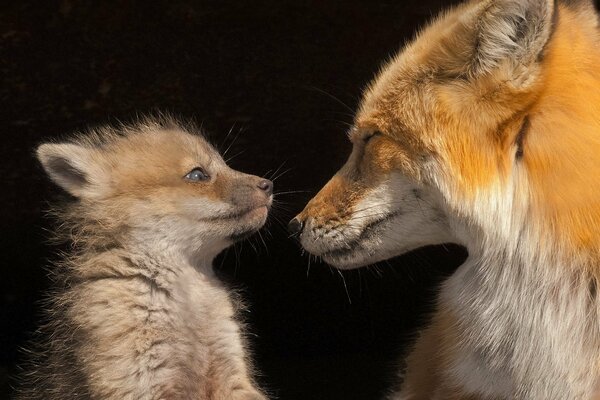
(266, 185)
(295, 226)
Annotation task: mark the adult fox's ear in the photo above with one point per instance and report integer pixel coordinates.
(512, 34)
(72, 167)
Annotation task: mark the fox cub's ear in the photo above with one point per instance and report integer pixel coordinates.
(512, 32)
(70, 166)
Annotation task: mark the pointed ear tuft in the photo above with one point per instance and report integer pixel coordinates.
(514, 32)
(67, 164)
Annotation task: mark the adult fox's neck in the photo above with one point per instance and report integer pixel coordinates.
(544, 236)
(550, 211)
(514, 311)
(563, 145)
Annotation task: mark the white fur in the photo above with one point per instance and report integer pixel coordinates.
(527, 326)
(142, 315)
(520, 319)
(395, 217)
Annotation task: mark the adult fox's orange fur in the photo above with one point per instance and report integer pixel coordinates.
(485, 131)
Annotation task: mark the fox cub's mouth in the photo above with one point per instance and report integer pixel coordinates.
(246, 212)
(250, 221)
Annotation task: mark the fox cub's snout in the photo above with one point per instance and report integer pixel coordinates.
(158, 177)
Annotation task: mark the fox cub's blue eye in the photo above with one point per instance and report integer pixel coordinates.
(197, 175)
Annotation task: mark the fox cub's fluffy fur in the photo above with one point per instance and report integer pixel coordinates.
(139, 313)
(485, 131)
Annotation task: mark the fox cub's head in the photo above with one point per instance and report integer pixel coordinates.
(453, 135)
(157, 183)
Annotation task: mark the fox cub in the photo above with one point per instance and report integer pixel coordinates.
(484, 131)
(139, 313)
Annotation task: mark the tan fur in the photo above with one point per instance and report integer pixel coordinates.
(139, 312)
(490, 121)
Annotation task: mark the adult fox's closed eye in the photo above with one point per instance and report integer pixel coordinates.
(138, 312)
(484, 131)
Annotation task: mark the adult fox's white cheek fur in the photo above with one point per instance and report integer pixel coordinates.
(390, 219)
(139, 312)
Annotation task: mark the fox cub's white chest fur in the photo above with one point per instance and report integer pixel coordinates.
(138, 312)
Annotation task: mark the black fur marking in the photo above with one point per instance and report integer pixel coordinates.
(521, 137)
(593, 288)
(553, 25)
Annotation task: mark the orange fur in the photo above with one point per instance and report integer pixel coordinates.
(564, 143)
(471, 123)
(508, 136)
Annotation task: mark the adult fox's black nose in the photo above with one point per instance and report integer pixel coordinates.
(266, 186)
(295, 226)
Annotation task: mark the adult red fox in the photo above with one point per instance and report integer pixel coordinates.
(484, 131)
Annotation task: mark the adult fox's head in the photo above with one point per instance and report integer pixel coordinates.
(484, 129)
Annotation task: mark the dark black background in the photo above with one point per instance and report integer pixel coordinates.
(283, 76)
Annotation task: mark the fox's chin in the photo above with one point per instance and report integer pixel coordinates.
(249, 223)
(345, 261)
(367, 249)
(356, 257)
